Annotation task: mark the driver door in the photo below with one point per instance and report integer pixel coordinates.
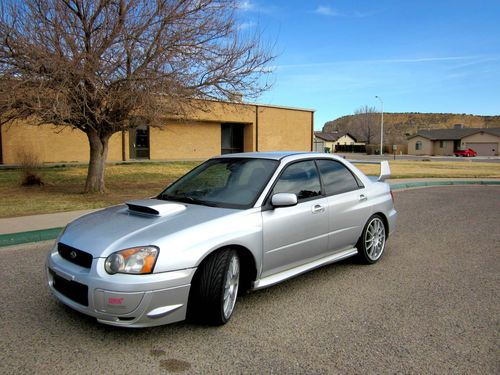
(295, 235)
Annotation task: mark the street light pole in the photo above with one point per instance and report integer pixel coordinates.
(381, 125)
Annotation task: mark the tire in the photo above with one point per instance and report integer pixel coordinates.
(215, 288)
(371, 244)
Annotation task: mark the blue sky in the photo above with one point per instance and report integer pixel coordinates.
(417, 55)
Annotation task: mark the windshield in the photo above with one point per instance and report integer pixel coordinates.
(228, 182)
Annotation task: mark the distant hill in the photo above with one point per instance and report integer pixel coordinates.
(398, 125)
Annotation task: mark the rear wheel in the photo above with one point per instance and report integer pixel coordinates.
(371, 244)
(214, 288)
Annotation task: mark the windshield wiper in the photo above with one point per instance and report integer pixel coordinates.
(186, 199)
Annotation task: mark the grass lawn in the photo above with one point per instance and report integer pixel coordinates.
(436, 169)
(63, 185)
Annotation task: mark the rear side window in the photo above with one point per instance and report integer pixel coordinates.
(301, 179)
(336, 177)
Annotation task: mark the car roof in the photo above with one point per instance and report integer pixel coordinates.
(277, 155)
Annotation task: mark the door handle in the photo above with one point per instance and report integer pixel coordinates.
(316, 209)
(363, 198)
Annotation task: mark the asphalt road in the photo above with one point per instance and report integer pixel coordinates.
(431, 305)
(360, 156)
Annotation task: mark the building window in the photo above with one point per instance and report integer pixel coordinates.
(418, 145)
(441, 144)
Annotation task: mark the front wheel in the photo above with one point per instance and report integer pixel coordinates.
(215, 288)
(371, 244)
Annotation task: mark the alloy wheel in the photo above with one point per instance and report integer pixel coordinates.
(231, 286)
(375, 239)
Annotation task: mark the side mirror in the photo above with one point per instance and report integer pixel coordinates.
(284, 200)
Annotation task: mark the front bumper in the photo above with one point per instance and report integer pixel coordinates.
(120, 299)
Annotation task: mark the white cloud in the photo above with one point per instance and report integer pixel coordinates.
(426, 59)
(245, 5)
(326, 11)
(256, 7)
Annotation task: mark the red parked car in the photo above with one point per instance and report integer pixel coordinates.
(467, 152)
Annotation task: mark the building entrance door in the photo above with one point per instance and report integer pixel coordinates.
(231, 138)
(139, 142)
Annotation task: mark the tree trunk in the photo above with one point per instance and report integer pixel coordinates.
(97, 163)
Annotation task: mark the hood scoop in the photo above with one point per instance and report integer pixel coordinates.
(154, 207)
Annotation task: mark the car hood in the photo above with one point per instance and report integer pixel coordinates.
(139, 223)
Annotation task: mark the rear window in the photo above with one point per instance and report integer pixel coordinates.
(337, 179)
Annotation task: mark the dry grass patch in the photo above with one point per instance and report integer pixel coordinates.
(64, 185)
(436, 169)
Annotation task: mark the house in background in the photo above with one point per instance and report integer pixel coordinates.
(328, 142)
(218, 128)
(485, 141)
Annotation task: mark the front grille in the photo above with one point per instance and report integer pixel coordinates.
(74, 255)
(71, 289)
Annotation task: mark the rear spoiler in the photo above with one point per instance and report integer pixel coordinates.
(385, 170)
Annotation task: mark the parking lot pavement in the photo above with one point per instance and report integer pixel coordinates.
(431, 305)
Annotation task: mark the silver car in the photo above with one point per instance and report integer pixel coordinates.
(235, 223)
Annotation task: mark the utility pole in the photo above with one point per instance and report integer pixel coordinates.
(381, 125)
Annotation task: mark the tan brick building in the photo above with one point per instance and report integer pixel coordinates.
(221, 128)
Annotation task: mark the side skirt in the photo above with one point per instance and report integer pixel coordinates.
(281, 276)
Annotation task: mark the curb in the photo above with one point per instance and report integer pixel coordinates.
(409, 185)
(52, 233)
(31, 236)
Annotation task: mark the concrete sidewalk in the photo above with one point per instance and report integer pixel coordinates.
(38, 222)
(33, 228)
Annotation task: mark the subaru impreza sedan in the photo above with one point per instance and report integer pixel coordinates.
(235, 223)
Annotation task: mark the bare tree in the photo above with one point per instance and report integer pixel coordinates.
(365, 122)
(93, 65)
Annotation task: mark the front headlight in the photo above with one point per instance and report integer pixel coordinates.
(137, 260)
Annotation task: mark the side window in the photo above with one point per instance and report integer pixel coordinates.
(418, 145)
(336, 177)
(301, 179)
